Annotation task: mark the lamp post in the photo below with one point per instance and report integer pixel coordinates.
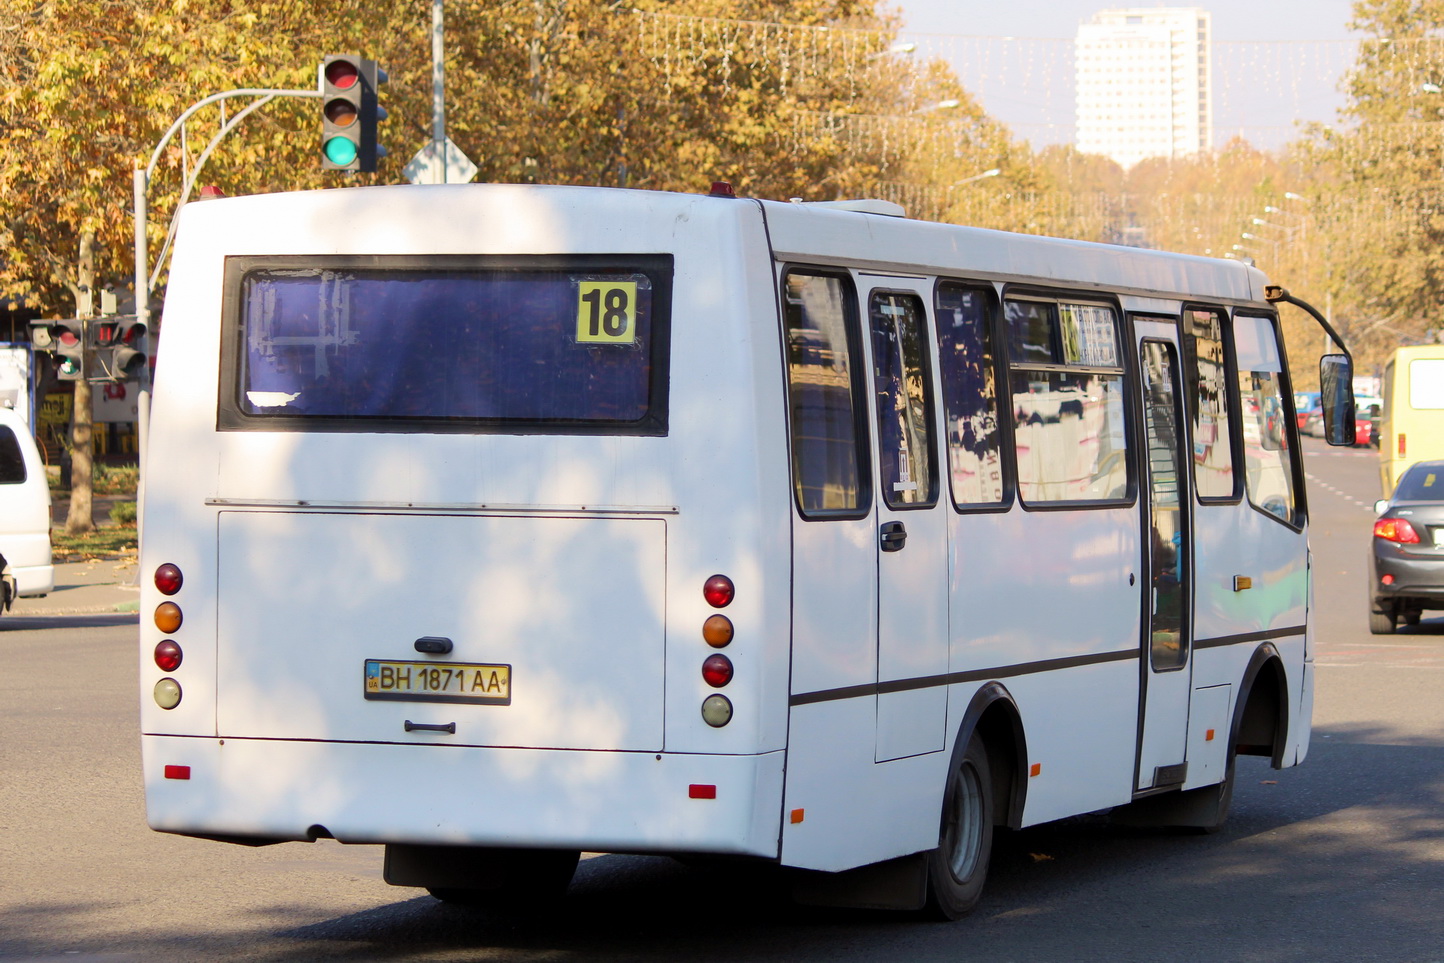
(991, 172)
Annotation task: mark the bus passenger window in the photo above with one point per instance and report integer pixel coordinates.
(1206, 371)
(903, 391)
(1268, 462)
(1069, 432)
(827, 476)
(970, 395)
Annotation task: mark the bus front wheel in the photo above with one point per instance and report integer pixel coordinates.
(958, 868)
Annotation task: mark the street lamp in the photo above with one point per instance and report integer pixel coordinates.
(992, 172)
(901, 47)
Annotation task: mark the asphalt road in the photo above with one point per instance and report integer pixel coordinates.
(1339, 859)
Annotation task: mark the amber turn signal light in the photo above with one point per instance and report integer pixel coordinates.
(167, 617)
(717, 631)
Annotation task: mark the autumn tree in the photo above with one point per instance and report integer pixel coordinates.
(1381, 203)
(783, 99)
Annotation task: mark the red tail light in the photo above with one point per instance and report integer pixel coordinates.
(168, 578)
(717, 671)
(1396, 530)
(1402, 446)
(718, 591)
(168, 655)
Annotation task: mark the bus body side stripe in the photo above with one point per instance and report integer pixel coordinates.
(1021, 668)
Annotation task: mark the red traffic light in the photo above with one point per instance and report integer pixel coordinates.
(342, 74)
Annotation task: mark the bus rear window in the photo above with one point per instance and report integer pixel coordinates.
(428, 344)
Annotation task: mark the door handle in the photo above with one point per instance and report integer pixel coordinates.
(893, 536)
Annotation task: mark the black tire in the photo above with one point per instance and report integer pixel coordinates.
(1382, 623)
(958, 868)
(529, 878)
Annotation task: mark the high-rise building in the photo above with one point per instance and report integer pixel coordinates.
(1144, 83)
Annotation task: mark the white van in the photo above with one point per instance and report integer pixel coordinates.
(24, 513)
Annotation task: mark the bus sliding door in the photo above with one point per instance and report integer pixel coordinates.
(1166, 683)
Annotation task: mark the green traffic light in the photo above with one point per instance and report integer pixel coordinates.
(340, 151)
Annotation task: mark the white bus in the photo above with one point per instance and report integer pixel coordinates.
(495, 524)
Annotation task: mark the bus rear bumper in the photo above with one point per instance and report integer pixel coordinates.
(259, 791)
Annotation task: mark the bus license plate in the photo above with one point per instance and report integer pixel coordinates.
(464, 682)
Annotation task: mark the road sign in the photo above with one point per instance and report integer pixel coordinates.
(427, 168)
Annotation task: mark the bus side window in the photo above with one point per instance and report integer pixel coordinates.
(1206, 373)
(1070, 436)
(1269, 463)
(970, 395)
(828, 431)
(902, 387)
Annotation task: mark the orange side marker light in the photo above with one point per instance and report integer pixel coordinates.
(1036, 769)
(796, 816)
(1208, 736)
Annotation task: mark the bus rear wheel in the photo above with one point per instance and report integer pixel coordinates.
(958, 868)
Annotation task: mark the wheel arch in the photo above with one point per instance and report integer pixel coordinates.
(1261, 715)
(992, 715)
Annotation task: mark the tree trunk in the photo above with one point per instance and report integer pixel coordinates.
(80, 519)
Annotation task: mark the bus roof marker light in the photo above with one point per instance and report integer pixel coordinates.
(721, 189)
(718, 591)
(168, 578)
(716, 711)
(167, 617)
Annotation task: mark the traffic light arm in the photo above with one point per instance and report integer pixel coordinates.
(264, 97)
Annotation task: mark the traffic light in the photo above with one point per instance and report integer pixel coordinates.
(349, 113)
(130, 350)
(65, 340)
(119, 348)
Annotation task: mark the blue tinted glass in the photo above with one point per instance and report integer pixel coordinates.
(418, 344)
(904, 400)
(1030, 332)
(827, 473)
(965, 358)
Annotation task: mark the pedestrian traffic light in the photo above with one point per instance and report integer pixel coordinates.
(64, 339)
(350, 112)
(130, 351)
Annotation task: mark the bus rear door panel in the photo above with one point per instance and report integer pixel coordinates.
(837, 790)
(912, 557)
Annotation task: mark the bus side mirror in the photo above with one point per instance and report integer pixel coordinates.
(1336, 395)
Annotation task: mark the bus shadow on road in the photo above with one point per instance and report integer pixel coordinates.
(1349, 847)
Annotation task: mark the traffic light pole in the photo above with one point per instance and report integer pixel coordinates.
(144, 279)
